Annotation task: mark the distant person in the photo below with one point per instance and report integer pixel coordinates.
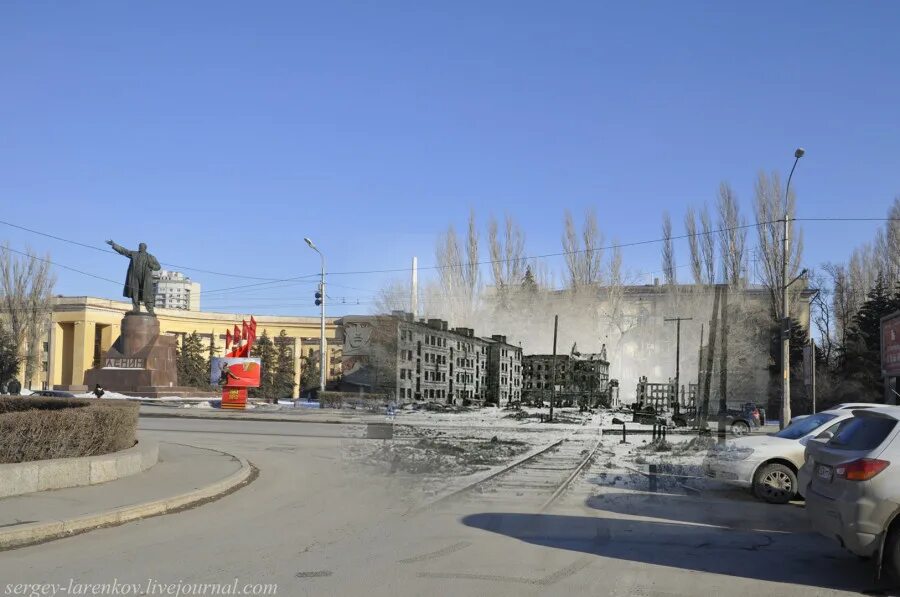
(98, 391)
(14, 387)
(3, 388)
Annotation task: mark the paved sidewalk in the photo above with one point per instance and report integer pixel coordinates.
(181, 469)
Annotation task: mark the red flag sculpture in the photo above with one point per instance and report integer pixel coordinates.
(236, 372)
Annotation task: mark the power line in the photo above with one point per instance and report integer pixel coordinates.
(72, 269)
(846, 219)
(269, 281)
(107, 251)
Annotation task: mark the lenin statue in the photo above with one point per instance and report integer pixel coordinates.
(139, 279)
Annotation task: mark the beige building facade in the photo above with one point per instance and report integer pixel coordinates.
(83, 328)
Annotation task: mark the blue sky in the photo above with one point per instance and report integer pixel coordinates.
(222, 133)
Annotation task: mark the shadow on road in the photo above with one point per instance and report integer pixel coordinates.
(800, 558)
(717, 510)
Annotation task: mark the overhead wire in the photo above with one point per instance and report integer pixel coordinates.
(274, 282)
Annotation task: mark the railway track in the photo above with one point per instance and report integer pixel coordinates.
(534, 482)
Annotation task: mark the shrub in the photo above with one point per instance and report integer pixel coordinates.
(44, 428)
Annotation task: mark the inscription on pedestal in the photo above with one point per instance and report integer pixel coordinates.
(126, 363)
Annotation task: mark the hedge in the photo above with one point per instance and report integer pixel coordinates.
(44, 428)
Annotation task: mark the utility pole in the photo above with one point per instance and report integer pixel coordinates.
(812, 372)
(710, 352)
(320, 301)
(723, 367)
(785, 307)
(699, 374)
(553, 367)
(678, 321)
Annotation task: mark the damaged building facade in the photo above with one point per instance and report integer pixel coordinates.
(578, 377)
(406, 359)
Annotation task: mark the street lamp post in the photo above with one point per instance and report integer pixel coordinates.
(322, 343)
(786, 317)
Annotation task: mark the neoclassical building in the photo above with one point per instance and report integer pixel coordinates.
(83, 328)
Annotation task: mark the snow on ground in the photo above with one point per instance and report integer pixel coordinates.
(116, 396)
(444, 449)
(677, 462)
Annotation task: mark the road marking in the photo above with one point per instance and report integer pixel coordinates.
(314, 574)
(544, 581)
(436, 554)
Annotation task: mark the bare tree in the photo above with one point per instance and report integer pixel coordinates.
(507, 254)
(690, 228)
(543, 274)
(707, 246)
(668, 251)
(769, 212)
(584, 252)
(614, 308)
(732, 237)
(458, 274)
(470, 271)
(822, 313)
(26, 288)
(841, 299)
(393, 296)
(862, 271)
(887, 246)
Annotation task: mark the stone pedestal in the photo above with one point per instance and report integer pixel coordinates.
(141, 362)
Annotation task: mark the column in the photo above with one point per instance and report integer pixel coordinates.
(298, 361)
(108, 335)
(83, 353)
(54, 356)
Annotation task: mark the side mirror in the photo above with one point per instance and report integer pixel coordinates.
(825, 435)
(618, 421)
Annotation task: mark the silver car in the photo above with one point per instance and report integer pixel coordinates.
(853, 494)
(769, 463)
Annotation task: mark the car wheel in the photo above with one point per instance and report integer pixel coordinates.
(890, 556)
(740, 428)
(775, 483)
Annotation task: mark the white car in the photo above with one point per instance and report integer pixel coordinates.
(769, 463)
(842, 406)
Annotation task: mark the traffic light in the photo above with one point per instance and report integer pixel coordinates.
(318, 298)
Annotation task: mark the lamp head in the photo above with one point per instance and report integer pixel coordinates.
(799, 153)
(310, 243)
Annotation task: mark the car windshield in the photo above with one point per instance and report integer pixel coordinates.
(805, 426)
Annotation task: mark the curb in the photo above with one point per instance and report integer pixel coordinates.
(264, 418)
(20, 478)
(41, 532)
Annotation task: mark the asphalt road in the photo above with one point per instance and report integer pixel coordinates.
(316, 524)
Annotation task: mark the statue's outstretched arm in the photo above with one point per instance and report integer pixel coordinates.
(119, 249)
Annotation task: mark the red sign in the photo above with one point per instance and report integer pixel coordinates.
(234, 398)
(235, 372)
(890, 345)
